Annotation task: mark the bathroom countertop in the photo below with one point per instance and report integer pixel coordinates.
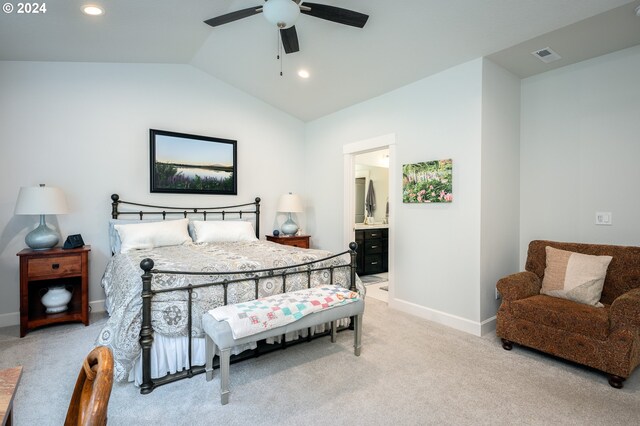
(374, 226)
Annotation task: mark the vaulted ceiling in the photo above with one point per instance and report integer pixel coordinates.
(403, 41)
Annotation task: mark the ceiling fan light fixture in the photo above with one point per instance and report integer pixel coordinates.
(282, 13)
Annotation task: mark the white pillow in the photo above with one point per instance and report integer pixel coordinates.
(148, 235)
(220, 231)
(114, 237)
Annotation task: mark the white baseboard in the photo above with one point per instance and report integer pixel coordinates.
(488, 326)
(453, 321)
(97, 306)
(13, 318)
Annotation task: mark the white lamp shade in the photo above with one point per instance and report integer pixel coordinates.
(282, 13)
(290, 203)
(41, 200)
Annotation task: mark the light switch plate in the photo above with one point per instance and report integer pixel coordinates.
(604, 218)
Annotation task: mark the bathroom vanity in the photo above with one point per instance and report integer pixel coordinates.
(373, 248)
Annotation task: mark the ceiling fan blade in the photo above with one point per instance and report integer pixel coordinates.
(289, 38)
(334, 14)
(233, 16)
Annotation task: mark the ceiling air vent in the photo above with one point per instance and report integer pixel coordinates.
(546, 55)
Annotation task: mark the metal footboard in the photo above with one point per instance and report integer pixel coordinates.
(223, 279)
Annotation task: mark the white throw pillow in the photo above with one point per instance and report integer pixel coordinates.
(220, 231)
(153, 234)
(574, 276)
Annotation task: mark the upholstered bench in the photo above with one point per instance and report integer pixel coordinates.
(219, 333)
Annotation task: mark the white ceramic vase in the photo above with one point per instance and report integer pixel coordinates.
(56, 299)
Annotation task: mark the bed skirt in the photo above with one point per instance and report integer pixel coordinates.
(171, 354)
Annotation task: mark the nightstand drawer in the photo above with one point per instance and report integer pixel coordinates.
(297, 243)
(54, 266)
(300, 241)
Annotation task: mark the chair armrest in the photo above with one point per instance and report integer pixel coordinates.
(519, 286)
(625, 310)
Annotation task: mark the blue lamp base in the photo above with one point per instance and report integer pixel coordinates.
(289, 227)
(42, 237)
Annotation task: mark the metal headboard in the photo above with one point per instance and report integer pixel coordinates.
(214, 213)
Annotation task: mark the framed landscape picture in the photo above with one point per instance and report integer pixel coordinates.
(428, 182)
(192, 164)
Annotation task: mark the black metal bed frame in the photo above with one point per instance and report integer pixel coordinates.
(146, 331)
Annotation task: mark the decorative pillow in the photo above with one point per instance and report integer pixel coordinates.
(220, 231)
(148, 235)
(574, 276)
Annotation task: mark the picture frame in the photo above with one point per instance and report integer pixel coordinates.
(428, 182)
(182, 163)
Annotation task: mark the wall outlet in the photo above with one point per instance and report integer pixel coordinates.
(498, 297)
(604, 218)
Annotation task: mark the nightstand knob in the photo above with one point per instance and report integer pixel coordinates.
(55, 265)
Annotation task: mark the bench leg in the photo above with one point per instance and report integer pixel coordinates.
(225, 357)
(357, 338)
(334, 331)
(208, 353)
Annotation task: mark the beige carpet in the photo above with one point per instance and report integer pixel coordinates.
(411, 372)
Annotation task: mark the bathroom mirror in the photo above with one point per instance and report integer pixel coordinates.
(361, 183)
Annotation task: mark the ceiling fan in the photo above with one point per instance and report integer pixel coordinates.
(284, 13)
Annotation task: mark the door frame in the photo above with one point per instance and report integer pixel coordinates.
(349, 152)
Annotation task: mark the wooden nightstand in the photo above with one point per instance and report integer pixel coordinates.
(301, 241)
(40, 269)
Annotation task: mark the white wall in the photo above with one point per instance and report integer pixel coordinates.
(580, 146)
(85, 128)
(437, 259)
(500, 182)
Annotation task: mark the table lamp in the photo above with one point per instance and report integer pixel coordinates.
(41, 200)
(290, 203)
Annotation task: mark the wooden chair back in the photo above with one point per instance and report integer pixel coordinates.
(88, 406)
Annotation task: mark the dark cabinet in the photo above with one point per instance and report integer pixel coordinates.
(373, 251)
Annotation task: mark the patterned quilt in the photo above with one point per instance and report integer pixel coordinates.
(248, 318)
(122, 284)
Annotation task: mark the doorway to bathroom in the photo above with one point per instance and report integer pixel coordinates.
(369, 167)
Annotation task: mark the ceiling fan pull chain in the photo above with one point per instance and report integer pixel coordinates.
(280, 51)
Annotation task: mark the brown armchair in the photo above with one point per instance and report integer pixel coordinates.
(605, 338)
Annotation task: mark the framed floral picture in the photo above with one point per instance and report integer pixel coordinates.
(428, 182)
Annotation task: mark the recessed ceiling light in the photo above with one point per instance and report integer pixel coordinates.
(92, 9)
(303, 74)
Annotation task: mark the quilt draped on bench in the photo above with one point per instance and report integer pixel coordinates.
(256, 316)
